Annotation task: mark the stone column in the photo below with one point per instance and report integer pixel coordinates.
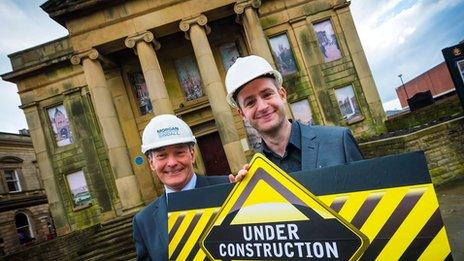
(47, 174)
(196, 29)
(125, 179)
(255, 35)
(253, 30)
(143, 44)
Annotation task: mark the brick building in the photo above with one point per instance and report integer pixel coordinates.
(436, 80)
(24, 212)
(88, 96)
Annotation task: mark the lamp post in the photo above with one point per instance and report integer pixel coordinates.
(404, 87)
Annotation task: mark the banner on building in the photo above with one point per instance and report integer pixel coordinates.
(384, 208)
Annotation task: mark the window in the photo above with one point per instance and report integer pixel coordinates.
(229, 53)
(461, 69)
(283, 54)
(60, 125)
(348, 104)
(302, 111)
(189, 78)
(12, 180)
(79, 190)
(23, 228)
(327, 41)
(139, 86)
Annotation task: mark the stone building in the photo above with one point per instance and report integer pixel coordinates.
(24, 213)
(125, 61)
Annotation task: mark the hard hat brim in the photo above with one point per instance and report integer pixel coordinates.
(274, 74)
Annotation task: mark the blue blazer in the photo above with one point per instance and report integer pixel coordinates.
(150, 226)
(323, 146)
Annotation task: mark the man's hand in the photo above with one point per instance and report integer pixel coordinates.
(240, 175)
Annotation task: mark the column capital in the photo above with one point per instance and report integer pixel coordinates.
(241, 5)
(200, 20)
(92, 54)
(147, 37)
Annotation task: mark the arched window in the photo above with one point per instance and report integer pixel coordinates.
(23, 228)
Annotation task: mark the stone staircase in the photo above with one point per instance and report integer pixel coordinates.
(112, 241)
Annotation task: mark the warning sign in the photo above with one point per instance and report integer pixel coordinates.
(390, 200)
(270, 216)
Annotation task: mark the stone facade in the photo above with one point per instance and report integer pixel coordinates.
(24, 212)
(125, 61)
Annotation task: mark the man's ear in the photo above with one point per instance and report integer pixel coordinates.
(150, 162)
(240, 112)
(283, 93)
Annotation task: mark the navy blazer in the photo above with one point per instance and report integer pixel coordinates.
(150, 226)
(323, 146)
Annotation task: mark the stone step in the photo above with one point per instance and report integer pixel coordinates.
(104, 232)
(131, 256)
(117, 250)
(117, 221)
(116, 233)
(107, 243)
(109, 250)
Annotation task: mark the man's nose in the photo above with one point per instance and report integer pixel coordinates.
(261, 104)
(171, 161)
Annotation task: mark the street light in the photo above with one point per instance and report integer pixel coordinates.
(404, 87)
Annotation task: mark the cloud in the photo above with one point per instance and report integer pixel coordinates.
(405, 36)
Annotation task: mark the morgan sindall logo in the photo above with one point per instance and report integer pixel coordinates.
(166, 132)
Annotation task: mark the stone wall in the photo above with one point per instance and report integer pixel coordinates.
(445, 108)
(60, 248)
(443, 145)
(38, 217)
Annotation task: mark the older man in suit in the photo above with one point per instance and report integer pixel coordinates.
(168, 143)
(255, 89)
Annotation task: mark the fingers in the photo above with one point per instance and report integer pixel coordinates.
(240, 175)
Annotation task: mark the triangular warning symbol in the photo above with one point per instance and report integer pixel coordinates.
(269, 216)
(262, 198)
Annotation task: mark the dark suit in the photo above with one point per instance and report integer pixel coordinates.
(323, 146)
(151, 228)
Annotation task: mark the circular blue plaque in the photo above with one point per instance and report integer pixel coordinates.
(138, 160)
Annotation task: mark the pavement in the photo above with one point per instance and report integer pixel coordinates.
(451, 200)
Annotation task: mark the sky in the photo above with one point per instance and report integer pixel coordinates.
(398, 36)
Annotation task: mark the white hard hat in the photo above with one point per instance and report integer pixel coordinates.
(244, 70)
(164, 130)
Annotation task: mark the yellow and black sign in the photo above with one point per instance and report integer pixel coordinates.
(270, 216)
(389, 202)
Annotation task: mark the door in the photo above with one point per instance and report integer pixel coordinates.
(213, 155)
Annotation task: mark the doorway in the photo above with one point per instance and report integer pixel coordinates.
(214, 157)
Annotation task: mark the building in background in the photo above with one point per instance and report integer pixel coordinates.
(88, 96)
(24, 212)
(436, 80)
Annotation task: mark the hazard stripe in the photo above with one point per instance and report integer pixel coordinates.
(176, 225)
(366, 209)
(410, 227)
(392, 224)
(178, 236)
(425, 236)
(438, 249)
(338, 203)
(192, 246)
(185, 235)
(353, 204)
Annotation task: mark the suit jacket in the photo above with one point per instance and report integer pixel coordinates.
(323, 146)
(150, 227)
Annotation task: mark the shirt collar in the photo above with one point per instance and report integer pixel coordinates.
(190, 185)
(295, 138)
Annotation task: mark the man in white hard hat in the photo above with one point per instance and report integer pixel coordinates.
(255, 89)
(168, 143)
